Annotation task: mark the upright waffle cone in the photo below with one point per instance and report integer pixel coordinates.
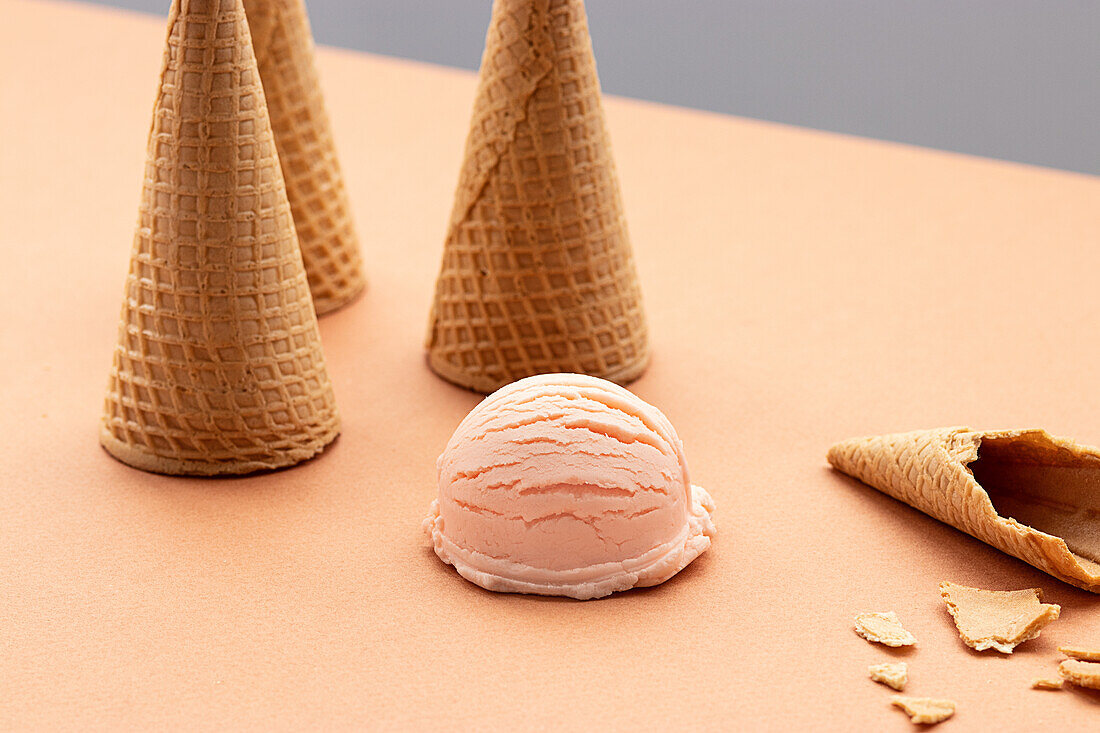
(1047, 482)
(219, 368)
(303, 136)
(538, 274)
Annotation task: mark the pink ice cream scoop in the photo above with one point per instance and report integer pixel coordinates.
(564, 484)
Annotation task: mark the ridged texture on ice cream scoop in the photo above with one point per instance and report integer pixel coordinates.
(563, 484)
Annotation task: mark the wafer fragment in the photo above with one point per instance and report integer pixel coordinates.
(925, 710)
(1025, 492)
(538, 272)
(218, 368)
(1086, 653)
(1046, 683)
(892, 674)
(1082, 674)
(883, 628)
(997, 619)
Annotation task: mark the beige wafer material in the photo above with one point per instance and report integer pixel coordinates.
(538, 274)
(218, 368)
(1025, 492)
(1045, 683)
(883, 628)
(283, 45)
(997, 619)
(891, 674)
(1086, 653)
(1082, 674)
(924, 710)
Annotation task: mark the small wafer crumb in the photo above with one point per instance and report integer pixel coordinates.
(1086, 653)
(924, 710)
(997, 619)
(1046, 683)
(892, 674)
(883, 628)
(1082, 674)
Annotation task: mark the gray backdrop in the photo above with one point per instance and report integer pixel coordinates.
(1012, 79)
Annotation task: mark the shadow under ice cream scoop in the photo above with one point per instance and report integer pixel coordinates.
(564, 484)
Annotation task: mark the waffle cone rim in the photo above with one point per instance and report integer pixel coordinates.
(485, 385)
(144, 460)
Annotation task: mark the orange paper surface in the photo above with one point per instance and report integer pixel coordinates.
(801, 288)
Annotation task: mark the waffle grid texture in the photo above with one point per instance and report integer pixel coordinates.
(218, 367)
(537, 274)
(283, 46)
(927, 469)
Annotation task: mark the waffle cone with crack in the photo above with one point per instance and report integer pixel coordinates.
(1025, 492)
(218, 367)
(537, 274)
(283, 45)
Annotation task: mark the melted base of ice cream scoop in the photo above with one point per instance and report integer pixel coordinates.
(1046, 488)
(652, 568)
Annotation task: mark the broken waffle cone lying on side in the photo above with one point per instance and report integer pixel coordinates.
(218, 367)
(283, 45)
(537, 274)
(1027, 493)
